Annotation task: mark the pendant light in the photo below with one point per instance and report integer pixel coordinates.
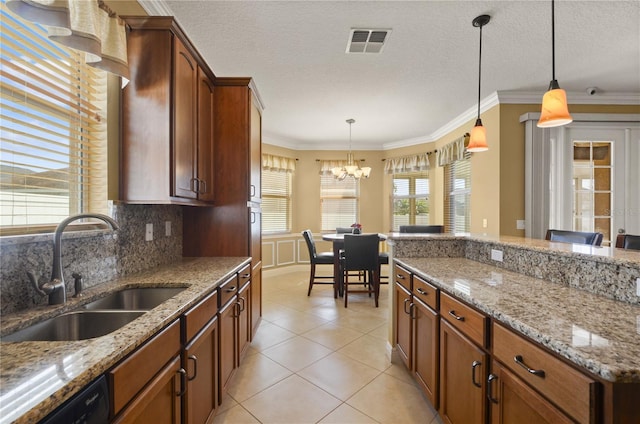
(555, 111)
(478, 139)
(351, 169)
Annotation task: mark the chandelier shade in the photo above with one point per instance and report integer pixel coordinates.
(478, 139)
(351, 168)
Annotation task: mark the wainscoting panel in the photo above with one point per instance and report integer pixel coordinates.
(286, 252)
(268, 254)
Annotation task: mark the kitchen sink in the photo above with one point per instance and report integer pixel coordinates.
(77, 325)
(138, 299)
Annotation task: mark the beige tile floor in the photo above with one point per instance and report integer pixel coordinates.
(314, 361)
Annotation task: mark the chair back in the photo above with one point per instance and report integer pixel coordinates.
(308, 237)
(577, 237)
(628, 241)
(361, 252)
(429, 229)
(344, 230)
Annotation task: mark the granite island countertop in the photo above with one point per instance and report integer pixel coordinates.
(598, 334)
(36, 377)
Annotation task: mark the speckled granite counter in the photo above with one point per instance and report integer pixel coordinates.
(36, 377)
(598, 334)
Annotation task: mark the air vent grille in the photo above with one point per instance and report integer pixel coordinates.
(367, 40)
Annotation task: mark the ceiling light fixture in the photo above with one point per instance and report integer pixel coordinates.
(478, 140)
(351, 169)
(555, 111)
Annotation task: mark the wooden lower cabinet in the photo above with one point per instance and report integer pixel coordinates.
(513, 401)
(256, 298)
(403, 324)
(425, 349)
(463, 376)
(200, 361)
(159, 402)
(244, 320)
(228, 322)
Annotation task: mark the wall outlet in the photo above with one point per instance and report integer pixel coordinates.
(520, 224)
(496, 255)
(484, 223)
(167, 228)
(148, 234)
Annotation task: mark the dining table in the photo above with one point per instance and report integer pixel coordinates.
(337, 240)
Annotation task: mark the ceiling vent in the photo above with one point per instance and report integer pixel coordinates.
(367, 40)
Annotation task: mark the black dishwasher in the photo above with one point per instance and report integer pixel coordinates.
(89, 406)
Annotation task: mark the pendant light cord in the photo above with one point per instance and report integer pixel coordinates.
(479, 70)
(553, 41)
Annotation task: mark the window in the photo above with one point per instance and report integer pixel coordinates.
(457, 189)
(276, 202)
(52, 130)
(339, 202)
(410, 199)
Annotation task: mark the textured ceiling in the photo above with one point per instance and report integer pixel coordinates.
(427, 74)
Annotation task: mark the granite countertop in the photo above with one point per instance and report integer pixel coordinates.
(597, 334)
(36, 377)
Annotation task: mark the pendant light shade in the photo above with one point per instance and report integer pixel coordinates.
(351, 169)
(555, 111)
(478, 138)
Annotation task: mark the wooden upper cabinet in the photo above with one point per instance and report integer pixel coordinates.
(167, 118)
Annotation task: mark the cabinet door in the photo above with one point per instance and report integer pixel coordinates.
(513, 401)
(184, 122)
(255, 244)
(425, 350)
(403, 324)
(201, 364)
(255, 181)
(227, 322)
(205, 151)
(463, 368)
(159, 402)
(256, 298)
(244, 322)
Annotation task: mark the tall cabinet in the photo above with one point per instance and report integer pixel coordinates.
(233, 226)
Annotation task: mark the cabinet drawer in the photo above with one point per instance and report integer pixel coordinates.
(244, 275)
(198, 316)
(227, 290)
(464, 318)
(425, 292)
(567, 387)
(128, 377)
(402, 277)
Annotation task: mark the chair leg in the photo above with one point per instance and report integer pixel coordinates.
(345, 287)
(312, 277)
(375, 280)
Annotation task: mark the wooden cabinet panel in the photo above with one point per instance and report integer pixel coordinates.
(199, 315)
(244, 321)
(426, 292)
(205, 153)
(403, 324)
(201, 364)
(128, 377)
(159, 402)
(425, 350)
(402, 277)
(256, 299)
(570, 389)
(227, 290)
(463, 372)
(513, 401)
(227, 321)
(471, 322)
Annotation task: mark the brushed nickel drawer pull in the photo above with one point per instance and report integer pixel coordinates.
(490, 380)
(183, 382)
(457, 317)
(400, 276)
(247, 275)
(230, 289)
(475, 365)
(520, 361)
(404, 306)
(195, 367)
(422, 292)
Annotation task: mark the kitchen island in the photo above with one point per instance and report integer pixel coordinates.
(572, 302)
(36, 377)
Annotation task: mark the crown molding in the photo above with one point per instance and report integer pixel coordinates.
(156, 7)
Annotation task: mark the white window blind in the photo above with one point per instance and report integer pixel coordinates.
(276, 202)
(457, 195)
(339, 202)
(53, 149)
(410, 199)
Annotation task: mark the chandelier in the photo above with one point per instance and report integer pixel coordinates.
(351, 169)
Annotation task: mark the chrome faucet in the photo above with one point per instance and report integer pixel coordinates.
(55, 288)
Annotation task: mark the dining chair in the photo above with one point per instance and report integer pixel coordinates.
(628, 241)
(576, 237)
(361, 254)
(429, 229)
(315, 258)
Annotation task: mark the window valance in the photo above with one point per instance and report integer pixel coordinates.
(85, 25)
(278, 163)
(412, 163)
(452, 152)
(327, 165)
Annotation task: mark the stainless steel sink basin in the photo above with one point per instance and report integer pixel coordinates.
(140, 299)
(78, 325)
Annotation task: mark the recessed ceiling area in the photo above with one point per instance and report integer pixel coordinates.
(426, 74)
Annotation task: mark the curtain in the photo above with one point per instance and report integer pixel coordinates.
(278, 163)
(452, 152)
(327, 165)
(85, 25)
(419, 162)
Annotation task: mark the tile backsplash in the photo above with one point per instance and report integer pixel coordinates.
(98, 256)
